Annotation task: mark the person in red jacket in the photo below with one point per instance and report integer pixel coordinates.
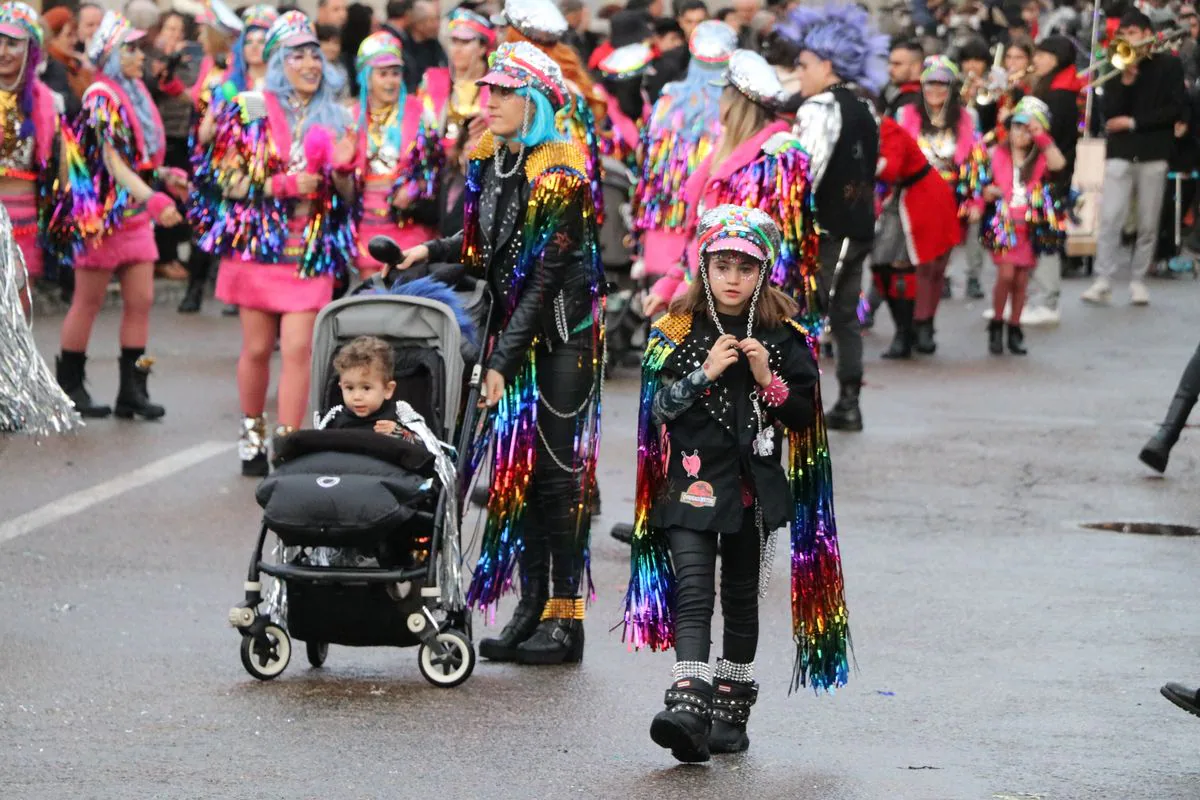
(918, 225)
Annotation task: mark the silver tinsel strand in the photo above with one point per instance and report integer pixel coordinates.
(31, 401)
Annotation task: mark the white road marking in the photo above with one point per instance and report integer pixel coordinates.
(84, 499)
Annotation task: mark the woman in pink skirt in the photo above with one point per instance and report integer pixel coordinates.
(112, 208)
(283, 232)
(29, 139)
(399, 153)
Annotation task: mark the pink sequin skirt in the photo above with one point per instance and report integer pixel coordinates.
(274, 288)
(131, 243)
(22, 210)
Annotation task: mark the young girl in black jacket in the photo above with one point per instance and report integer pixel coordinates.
(722, 370)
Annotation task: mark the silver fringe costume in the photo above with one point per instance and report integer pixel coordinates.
(31, 401)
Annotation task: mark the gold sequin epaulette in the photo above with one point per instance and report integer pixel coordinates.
(675, 327)
(555, 154)
(800, 329)
(486, 147)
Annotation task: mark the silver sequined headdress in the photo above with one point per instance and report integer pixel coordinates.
(750, 74)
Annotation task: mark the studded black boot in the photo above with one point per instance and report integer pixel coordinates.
(133, 398)
(731, 703)
(684, 727)
(70, 368)
(558, 638)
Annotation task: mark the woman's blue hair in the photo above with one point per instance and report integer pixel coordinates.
(542, 127)
(394, 133)
(323, 109)
(237, 63)
(696, 98)
(143, 106)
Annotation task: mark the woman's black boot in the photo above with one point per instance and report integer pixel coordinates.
(846, 414)
(1158, 449)
(70, 367)
(684, 727)
(902, 342)
(558, 638)
(521, 626)
(133, 398)
(731, 702)
(925, 343)
(996, 337)
(193, 296)
(1016, 340)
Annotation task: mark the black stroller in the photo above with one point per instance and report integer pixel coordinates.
(367, 547)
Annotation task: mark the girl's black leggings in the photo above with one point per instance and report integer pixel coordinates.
(694, 555)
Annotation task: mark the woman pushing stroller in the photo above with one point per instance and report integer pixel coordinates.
(530, 230)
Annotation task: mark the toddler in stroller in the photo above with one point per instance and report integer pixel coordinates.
(369, 550)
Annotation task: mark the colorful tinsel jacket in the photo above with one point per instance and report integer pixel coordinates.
(553, 284)
(971, 169)
(51, 141)
(413, 139)
(99, 203)
(669, 155)
(820, 623)
(769, 171)
(1018, 235)
(254, 140)
(577, 120)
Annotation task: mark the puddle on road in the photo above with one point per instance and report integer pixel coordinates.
(1143, 528)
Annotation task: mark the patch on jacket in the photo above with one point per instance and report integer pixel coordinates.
(699, 495)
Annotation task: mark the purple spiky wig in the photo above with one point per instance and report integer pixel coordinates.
(843, 35)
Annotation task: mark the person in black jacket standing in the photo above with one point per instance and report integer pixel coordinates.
(839, 50)
(1141, 109)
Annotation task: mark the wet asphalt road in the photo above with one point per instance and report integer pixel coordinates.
(1003, 651)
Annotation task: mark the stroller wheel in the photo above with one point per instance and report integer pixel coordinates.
(317, 652)
(266, 661)
(452, 665)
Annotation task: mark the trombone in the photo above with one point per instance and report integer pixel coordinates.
(1122, 54)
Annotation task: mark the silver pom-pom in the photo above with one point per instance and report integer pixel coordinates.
(31, 401)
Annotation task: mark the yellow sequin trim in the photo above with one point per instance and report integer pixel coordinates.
(675, 326)
(563, 608)
(543, 157)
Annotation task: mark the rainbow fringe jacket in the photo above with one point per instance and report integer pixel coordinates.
(559, 189)
(820, 624)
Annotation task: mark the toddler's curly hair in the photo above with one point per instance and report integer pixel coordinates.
(370, 352)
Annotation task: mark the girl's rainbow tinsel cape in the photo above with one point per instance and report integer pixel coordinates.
(820, 623)
(558, 185)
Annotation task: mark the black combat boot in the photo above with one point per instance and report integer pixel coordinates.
(902, 342)
(845, 414)
(1158, 449)
(731, 704)
(683, 728)
(925, 343)
(1185, 697)
(193, 296)
(133, 399)
(1016, 340)
(996, 337)
(558, 638)
(535, 590)
(72, 375)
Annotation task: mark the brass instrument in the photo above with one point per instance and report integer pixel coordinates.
(987, 94)
(1122, 54)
